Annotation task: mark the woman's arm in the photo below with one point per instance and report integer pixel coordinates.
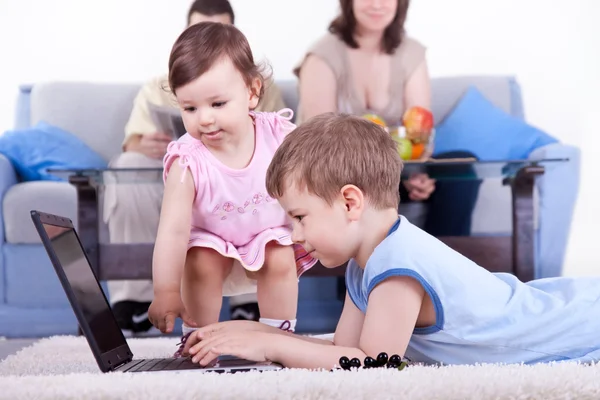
(317, 88)
(173, 230)
(417, 90)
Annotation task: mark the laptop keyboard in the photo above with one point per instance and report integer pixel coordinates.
(161, 364)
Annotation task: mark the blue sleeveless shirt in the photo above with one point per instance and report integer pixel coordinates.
(483, 317)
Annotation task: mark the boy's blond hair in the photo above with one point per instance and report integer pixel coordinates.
(332, 150)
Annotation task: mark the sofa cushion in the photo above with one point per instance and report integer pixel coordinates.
(31, 280)
(33, 322)
(289, 94)
(503, 91)
(33, 151)
(52, 197)
(96, 113)
(478, 126)
(23, 108)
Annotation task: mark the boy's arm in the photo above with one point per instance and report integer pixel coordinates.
(393, 309)
(392, 313)
(351, 321)
(347, 332)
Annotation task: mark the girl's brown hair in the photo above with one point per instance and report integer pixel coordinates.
(344, 26)
(201, 45)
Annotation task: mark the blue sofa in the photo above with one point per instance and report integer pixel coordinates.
(32, 303)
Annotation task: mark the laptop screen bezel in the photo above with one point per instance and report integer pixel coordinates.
(111, 359)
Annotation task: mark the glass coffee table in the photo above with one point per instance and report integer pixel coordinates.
(514, 254)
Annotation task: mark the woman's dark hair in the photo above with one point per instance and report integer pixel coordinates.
(344, 26)
(210, 8)
(201, 45)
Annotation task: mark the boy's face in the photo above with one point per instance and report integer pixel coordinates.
(325, 231)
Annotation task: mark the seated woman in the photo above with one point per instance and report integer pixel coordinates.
(367, 64)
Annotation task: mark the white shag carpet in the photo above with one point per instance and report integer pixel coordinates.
(63, 367)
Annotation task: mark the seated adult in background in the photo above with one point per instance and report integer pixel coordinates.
(132, 211)
(367, 64)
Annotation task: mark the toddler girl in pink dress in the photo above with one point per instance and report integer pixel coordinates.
(220, 233)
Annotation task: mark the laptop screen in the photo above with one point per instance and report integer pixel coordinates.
(85, 286)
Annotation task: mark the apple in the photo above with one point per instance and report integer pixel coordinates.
(418, 122)
(404, 147)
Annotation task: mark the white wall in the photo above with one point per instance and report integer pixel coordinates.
(551, 46)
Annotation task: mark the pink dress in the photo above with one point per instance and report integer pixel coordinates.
(232, 212)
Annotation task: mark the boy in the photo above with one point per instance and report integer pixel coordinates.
(337, 176)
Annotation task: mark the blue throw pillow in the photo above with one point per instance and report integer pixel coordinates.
(478, 126)
(34, 150)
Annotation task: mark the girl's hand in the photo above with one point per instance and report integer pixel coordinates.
(165, 307)
(249, 345)
(212, 330)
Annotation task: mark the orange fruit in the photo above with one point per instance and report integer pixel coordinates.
(376, 119)
(417, 151)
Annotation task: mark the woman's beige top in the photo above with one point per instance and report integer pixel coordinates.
(334, 52)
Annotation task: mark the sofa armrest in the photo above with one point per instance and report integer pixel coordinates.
(558, 188)
(8, 178)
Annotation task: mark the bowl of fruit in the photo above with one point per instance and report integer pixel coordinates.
(414, 136)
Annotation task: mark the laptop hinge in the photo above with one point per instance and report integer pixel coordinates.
(124, 362)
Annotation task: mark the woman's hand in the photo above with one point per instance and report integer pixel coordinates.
(419, 187)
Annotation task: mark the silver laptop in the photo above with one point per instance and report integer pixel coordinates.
(94, 314)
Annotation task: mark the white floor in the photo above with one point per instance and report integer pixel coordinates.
(11, 346)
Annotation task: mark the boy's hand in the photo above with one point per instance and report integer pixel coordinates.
(165, 307)
(249, 345)
(220, 328)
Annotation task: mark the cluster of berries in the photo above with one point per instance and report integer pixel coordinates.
(395, 361)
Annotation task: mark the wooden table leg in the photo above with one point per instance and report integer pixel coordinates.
(87, 217)
(523, 218)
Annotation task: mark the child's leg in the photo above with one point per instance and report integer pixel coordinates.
(202, 284)
(277, 284)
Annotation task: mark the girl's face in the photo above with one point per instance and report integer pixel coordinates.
(373, 16)
(215, 105)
